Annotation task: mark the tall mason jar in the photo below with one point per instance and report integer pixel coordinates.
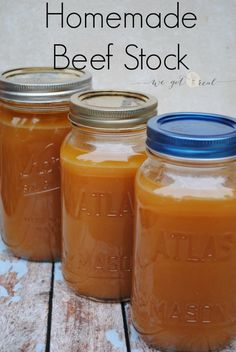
(184, 280)
(34, 104)
(99, 160)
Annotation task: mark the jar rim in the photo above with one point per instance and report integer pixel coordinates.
(112, 108)
(38, 85)
(192, 135)
(189, 161)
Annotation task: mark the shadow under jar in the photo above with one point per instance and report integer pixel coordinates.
(99, 160)
(34, 105)
(184, 286)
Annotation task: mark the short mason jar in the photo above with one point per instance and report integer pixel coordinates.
(99, 160)
(184, 286)
(34, 104)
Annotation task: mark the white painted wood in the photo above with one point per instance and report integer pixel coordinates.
(81, 325)
(78, 324)
(24, 295)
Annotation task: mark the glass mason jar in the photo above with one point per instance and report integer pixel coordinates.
(33, 123)
(99, 160)
(184, 286)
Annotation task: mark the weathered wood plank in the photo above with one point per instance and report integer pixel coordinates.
(138, 345)
(24, 295)
(80, 325)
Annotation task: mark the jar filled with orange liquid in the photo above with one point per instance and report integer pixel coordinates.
(33, 124)
(184, 280)
(99, 160)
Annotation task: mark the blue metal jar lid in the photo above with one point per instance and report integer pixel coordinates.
(192, 135)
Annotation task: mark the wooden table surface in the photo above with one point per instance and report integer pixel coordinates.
(38, 313)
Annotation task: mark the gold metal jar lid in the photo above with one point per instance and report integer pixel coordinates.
(42, 84)
(110, 108)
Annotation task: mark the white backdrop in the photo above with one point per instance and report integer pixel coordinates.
(211, 47)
